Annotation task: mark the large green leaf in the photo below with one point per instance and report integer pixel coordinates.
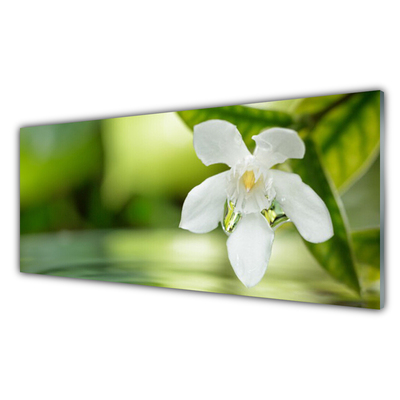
(347, 130)
(336, 254)
(367, 246)
(249, 121)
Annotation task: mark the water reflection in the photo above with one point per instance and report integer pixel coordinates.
(182, 260)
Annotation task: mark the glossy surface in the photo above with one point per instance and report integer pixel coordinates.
(182, 260)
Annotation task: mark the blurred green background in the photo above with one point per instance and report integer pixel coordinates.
(102, 200)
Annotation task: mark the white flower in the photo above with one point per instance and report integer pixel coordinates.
(251, 186)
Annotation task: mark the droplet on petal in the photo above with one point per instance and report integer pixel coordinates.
(275, 215)
(231, 217)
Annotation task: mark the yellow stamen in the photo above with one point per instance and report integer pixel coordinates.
(249, 180)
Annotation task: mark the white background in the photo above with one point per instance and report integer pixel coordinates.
(71, 339)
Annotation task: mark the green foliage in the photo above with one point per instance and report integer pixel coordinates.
(367, 246)
(362, 200)
(346, 129)
(319, 104)
(249, 121)
(342, 136)
(122, 172)
(334, 255)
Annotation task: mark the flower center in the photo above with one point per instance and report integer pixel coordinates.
(248, 180)
(249, 187)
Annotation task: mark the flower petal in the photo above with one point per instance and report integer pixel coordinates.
(204, 205)
(276, 145)
(303, 206)
(249, 248)
(217, 141)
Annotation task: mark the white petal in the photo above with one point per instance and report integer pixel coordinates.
(217, 141)
(303, 206)
(276, 145)
(249, 248)
(204, 205)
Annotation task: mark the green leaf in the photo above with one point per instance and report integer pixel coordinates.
(347, 130)
(367, 246)
(336, 254)
(315, 105)
(249, 121)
